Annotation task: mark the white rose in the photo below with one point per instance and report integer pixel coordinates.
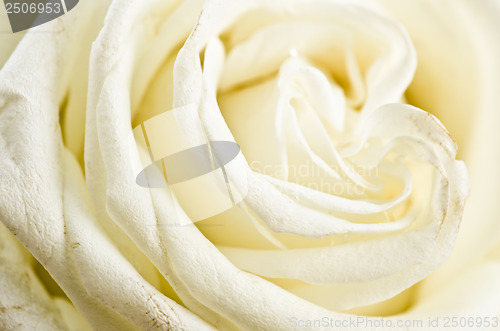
(298, 85)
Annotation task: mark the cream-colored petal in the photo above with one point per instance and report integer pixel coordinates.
(8, 40)
(24, 302)
(461, 89)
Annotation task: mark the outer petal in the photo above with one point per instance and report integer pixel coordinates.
(472, 295)
(8, 40)
(24, 302)
(44, 201)
(458, 79)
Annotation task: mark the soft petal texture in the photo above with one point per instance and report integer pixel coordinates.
(283, 215)
(110, 174)
(269, 76)
(24, 302)
(8, 40)
(466, 99)
(51, 215)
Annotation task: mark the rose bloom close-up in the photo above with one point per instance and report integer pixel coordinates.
(250, 165)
